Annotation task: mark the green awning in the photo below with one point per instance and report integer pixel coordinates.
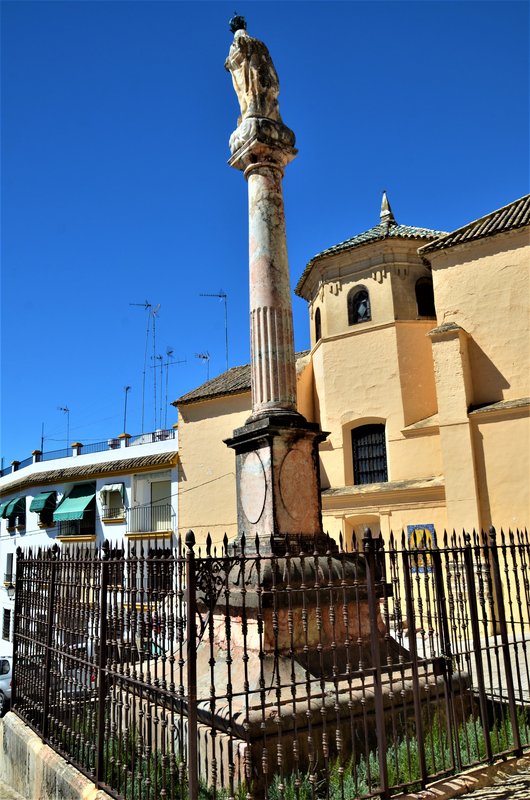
(45, 501)
(15, 507)
(75, 505)
(3, 507)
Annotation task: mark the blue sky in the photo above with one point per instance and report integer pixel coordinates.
(115, 187)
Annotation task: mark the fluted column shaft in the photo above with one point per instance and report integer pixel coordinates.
(271, 323)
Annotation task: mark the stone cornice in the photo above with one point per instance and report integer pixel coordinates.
(505, 408)
(390, 493)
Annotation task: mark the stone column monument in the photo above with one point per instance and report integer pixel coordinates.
(278, 491)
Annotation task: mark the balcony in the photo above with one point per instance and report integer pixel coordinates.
(150, 522)
(79, 529)
(112, 514)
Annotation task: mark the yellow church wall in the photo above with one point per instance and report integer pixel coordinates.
(484, 287)
(366, 376)
(207, 483)
(417, 458)
(353, 373)
(384, 511)
(502, 460)
(416, 370)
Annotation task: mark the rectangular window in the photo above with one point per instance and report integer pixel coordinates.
(369, 454)
(112, 501)
(9, 576)
(6, 624)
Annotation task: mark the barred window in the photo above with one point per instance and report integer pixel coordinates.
(369, 454)
(6, 624)
(358, 306)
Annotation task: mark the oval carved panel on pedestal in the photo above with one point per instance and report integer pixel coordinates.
(253, 487)
(295, 483)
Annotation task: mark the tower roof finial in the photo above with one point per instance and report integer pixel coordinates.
(386, 215)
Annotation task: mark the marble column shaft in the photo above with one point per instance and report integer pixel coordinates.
(271, 325)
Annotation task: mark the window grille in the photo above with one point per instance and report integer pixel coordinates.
(6, 624)
(369, 454)
(358, 306)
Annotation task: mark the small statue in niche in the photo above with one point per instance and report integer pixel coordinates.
(253, 74)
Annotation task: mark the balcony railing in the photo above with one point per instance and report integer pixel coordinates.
(150, 519)
(97, 447)
(112, 512)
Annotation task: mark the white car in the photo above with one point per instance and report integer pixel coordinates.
(6, 674)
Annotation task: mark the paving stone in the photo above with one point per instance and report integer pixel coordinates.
(505, 787)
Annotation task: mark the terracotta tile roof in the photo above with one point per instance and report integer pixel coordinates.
(514, 215)
(377, 233)
(236, 380)
(88, 471)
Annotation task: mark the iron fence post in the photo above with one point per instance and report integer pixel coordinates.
(49, 639)
(473, 614)
(102, 662)
(446, 649)
(501, 612)
(370, 560)
(411, 627)
(191, 649)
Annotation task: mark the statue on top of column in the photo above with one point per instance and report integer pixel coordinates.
(253, 74)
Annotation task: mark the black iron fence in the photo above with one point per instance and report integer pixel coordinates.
(262, 670)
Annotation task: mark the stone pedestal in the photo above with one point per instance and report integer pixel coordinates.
(278, 486)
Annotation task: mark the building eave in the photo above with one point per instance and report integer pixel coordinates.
(91, 472)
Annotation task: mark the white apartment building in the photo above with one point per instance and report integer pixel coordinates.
(119, 490)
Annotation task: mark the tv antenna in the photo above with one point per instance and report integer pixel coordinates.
(222, 295)
(66, 410)
(170, 363)
(146, 305)
(154, 313)
(205, 357)
(126, 389)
